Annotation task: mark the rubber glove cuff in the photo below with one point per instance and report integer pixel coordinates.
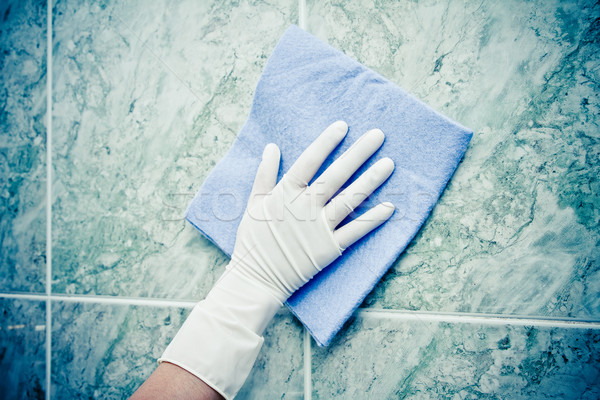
(222, 337)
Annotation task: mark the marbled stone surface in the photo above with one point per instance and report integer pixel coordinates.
(148, 96)
(377, 358)
(107, 351)
(518, 229)
(22, 145)
(22, 349)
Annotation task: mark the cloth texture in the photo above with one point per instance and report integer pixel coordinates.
(307, 85)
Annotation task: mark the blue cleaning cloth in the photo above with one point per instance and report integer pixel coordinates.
(305, 86)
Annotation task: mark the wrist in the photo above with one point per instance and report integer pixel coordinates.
(244, 300)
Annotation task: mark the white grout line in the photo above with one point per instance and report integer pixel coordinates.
(302, 14)
(49, 153)
(307, 339)
(130, 301)
(49, 37)
(399, 315)
(307, 366)
(471, 318)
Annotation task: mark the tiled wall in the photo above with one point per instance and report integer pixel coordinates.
(497, 297)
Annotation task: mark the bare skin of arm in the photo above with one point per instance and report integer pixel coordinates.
(169, 381)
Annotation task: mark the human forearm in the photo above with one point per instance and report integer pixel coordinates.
(169, 381)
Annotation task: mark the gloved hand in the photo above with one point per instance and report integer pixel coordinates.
(286, 236)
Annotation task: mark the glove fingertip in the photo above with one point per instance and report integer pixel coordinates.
(271, 150)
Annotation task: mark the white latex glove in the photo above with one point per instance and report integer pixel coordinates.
(286, 236)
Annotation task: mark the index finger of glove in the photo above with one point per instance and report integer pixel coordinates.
(309, 162)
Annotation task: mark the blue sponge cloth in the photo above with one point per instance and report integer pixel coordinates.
(305, 86)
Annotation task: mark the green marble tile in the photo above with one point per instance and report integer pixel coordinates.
(107, 351)
(22, 145)
(148, 97)
(388, 359)
(517, 230)
(22, 349)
